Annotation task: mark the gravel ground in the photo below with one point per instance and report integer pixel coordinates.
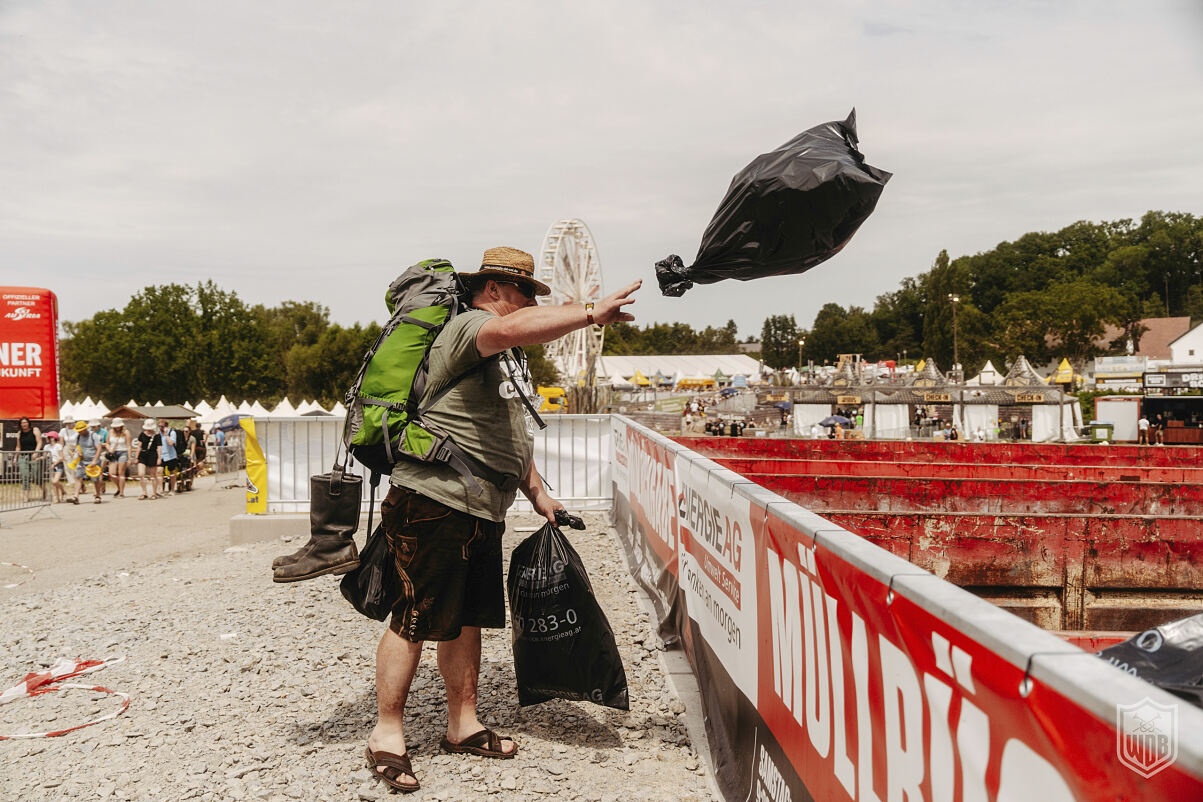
(242, 689)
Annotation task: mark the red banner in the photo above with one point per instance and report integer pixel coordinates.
(28, 353)
(821, 680)
(880, 700)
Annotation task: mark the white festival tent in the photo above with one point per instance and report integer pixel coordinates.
(988, 376)
(616, 369)
(284, 409)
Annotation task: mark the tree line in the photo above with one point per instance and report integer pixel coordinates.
(182, 343)
(1045, 295)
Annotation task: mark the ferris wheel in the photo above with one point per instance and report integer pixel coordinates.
(570, 266)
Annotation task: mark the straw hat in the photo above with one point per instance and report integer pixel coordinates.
(117, 424)
(80, 425)
(148, 425)
(508, 263)
(92, 471)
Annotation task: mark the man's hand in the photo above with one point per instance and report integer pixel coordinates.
(609, 309)
(545, 505)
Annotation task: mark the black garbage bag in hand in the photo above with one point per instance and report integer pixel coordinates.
(785, 212)
(563, 645)
(374, 586)
(1169, 656)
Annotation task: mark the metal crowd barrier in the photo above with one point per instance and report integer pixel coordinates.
(24, 480)
(572, 454)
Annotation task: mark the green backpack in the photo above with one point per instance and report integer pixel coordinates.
(384, 417)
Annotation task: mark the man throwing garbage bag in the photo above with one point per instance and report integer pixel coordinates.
(446, 535)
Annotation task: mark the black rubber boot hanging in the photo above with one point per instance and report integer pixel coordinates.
(334, 500)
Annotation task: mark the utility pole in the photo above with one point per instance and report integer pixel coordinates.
(956, 299)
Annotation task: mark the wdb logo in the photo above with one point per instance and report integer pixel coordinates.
(1146, 736)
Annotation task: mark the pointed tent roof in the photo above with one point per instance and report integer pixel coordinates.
(640, 379)
(203, 408)
(929, 376)
(1022, 374)
(988, 375)
(1064, 374)
(245, 407)
(223, 408)
(845, 375)
(259, 411)
(339, 410)
(284, 409)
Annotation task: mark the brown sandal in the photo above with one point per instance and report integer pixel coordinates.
(394, 766)
(485, 743)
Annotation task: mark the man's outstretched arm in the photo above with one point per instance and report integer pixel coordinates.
(542, 324)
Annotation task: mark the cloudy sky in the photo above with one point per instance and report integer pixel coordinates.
(310, 150)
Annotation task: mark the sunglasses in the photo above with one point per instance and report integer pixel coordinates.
(527, 291)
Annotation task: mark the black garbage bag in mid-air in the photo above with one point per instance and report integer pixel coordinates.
(785, 212)
(563, 645)
(1169, 656)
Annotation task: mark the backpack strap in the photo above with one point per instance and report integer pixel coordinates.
(469, 466)
(515, 372)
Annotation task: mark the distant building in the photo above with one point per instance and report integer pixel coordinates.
(1187, 349)
(1155, 342)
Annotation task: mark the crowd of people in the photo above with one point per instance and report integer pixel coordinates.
(163, 459)
(694, 419)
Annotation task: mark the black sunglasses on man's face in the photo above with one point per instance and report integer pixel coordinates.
(528, 292)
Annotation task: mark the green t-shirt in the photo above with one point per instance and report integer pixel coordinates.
(483, 414)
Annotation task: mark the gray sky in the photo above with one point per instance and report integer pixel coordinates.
(309, 150)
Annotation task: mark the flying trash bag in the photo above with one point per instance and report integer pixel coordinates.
(786, 212)
(563, 645)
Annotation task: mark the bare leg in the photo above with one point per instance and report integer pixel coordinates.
(396, 663)
(459, 663)
(119, 478)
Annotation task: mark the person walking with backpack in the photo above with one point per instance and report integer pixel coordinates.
(444, 527)
(87, 446)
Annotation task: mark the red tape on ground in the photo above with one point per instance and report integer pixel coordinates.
(36, 684)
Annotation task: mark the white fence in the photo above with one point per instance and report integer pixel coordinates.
(24, 480)
(572, 454)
